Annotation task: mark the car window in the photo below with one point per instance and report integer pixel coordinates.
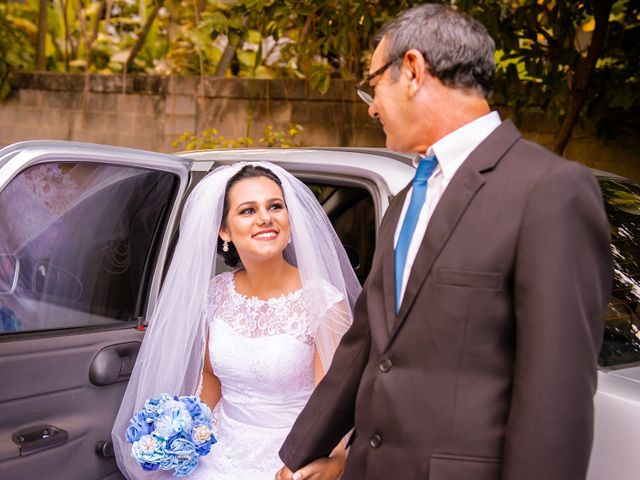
(622, 323)
(352, 213)
(83, 236)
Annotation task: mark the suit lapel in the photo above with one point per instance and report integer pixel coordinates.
(461, 190)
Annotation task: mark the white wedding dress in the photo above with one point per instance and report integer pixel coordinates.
(263, 353)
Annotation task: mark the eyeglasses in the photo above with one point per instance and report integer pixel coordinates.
(364, 89)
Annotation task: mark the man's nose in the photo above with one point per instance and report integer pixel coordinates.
(372, 110)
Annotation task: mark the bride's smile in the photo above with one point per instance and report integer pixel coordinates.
(266, 235)
(257, 223)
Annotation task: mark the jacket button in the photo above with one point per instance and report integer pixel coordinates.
(385, 365)
(376, 441)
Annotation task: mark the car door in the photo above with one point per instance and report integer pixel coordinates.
(84, 232)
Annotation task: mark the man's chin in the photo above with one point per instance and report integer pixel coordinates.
(390, 144)
(397, 147)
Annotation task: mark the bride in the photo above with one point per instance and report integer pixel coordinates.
(254, 341)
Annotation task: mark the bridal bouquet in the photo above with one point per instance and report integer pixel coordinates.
(171, 433)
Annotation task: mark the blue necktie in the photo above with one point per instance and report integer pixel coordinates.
(418, 194)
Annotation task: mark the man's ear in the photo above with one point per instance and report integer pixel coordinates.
(415, 67)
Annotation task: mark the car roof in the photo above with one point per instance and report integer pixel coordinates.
(393, 168)
(386, 163)
(602, 175)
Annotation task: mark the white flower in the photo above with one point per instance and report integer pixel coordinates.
(201, 434)
(148, 444)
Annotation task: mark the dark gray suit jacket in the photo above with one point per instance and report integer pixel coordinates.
(489, 370)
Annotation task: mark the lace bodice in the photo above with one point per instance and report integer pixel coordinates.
(262, 351)
(251, 317)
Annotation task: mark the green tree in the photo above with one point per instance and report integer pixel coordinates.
(311, 39)
(17, 35)
(568, 59)
(564, 58)
(42, 34)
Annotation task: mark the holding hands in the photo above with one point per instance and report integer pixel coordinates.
(324, 468)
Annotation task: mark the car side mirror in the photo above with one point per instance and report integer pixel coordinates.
(9, 272)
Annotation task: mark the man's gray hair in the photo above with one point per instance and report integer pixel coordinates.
(458, 49)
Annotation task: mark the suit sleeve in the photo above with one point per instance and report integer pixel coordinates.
(561, 288)
(329, 413)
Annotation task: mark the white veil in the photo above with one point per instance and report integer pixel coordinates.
(172, 354)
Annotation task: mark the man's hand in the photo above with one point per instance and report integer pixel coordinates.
(285, 474)
(325, 468)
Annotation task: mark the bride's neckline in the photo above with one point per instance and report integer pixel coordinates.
(253, 298)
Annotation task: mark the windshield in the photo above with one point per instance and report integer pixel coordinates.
(621, 345)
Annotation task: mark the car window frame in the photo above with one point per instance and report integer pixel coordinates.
(17, 158)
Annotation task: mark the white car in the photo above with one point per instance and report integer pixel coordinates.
(86, 232)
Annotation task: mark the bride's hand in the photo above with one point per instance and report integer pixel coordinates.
(284, 474)
(325, 468)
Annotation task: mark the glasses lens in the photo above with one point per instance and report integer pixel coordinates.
(365, 96)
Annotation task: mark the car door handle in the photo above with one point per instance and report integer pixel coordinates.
(114, 363)
(105, 449)
(36, 439)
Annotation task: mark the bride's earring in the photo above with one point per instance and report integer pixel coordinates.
(289, 240)
(225, 246)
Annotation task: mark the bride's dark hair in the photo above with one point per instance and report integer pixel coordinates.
(231, 258)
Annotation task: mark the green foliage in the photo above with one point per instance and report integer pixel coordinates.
(211, 138)
(279, 138)
(541, 44)
(312, 39)
(536, 51)
(173, 44)
(17, 37)
(616, 85)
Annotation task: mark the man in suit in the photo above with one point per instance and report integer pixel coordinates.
(473, 351)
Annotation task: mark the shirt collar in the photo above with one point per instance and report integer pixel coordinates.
(453, 149)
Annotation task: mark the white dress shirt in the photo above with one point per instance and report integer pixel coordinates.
(451, 151)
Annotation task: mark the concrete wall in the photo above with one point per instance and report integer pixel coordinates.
(151, 112)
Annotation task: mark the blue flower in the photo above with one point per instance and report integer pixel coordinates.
(171, 433)
(8, 321)
(194, 406)
(148, 450)
(152, 405)
(179, 452)
(173, 418)
(150, 466)
(203, 438)
(205, 413)
(180, 447)
(168, 462)
(138, 426)
(186, 467)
